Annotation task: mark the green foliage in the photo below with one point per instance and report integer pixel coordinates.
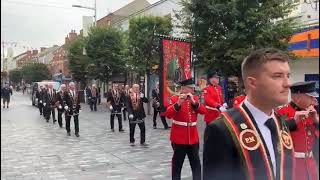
(34, 72)
(143, 47)
(105, 46)
(15, 75)
(226, 31)
(78, 62)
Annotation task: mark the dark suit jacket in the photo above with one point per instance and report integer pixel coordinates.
(139, 114)
(72, 103)
(112, 101)
(221, 157)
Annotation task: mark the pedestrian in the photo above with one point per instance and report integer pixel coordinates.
(184, 110)
(137, 114)
(6, 92)
(46, 103)
(93, 95)
(249, 141)
(51, 96)
(157, 108)
(40, 97)
(126, 95)
(72, 108)
(60, 103)
(88, 91)
(114, 102)
(24, 88)
(213, 98)
(303, 123)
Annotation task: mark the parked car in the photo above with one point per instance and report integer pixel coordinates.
(36, 87)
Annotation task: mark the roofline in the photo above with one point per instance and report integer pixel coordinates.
(140, 11)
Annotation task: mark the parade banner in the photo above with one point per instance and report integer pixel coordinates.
(175, 66)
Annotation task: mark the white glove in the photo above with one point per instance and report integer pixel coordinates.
(66, 107)
(44, 104)
(141, 95)
(40, 101)
(131, 116)
(225, 105)
(222, 109)
(122, 108)
(111, 108)
(80, 110)
(36, 99)
(60, 107)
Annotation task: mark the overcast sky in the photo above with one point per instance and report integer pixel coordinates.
(43, 23)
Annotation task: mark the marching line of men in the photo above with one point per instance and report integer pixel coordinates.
(66, 101)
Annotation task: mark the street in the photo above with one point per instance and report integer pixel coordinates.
(31, 148)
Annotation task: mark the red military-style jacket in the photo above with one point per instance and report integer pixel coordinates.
(184, 129)
(238, 100)
(303, 135)
(213, 99)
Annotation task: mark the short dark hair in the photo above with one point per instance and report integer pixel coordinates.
(254, 62)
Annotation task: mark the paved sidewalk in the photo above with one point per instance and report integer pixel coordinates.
(31, 148)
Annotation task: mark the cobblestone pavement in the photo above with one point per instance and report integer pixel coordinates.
(31, 148)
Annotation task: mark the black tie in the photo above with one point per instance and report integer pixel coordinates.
(274, 135)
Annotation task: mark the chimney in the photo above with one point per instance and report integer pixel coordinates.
(66, 40)
(34, 52)
(42, 49)
(72, 35)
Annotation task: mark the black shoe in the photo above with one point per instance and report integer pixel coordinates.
(61, 126)
(77, 134)
(144, 144)
(154, 127)
(167, 127)
(112, 130)
(121, 130)
(47, 120)
(4, 106)
(95, 110)
(7, 106)
(132, 144)
(54, 121)
(40, 114)
(68, 133)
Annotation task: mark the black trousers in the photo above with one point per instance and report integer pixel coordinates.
(93, 103)
(142, 132)
(60, 112)
(119, 121)
(76, 123)
(49, 111)
(163, 119)
(180, 151)
(124, 113)
(40, 106)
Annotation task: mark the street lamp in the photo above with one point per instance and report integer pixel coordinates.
(92, 8)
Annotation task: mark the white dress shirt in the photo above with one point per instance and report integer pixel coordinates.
(261, 118)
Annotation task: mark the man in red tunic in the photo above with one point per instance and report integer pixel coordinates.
(184, 137)
(303, 123)
(213, 98)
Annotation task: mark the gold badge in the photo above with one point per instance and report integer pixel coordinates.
(286, 140)
(243, 126)
(249, 139)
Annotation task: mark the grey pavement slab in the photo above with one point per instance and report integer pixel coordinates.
(31, 148)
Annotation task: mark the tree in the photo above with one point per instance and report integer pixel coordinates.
(78, 62)
(34, 72)
(143, 48)
(226, 31)
(15, 75)
(105, 47)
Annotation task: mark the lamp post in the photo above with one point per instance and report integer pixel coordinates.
(92, 8)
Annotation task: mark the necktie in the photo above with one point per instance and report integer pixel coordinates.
(274, 134)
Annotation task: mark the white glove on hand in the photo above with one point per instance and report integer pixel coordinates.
(80, 110)
(66, 107)
(225, 105)
(131, 116)
(40, 101)
(44, 104)
(122, 108)
(141, 95)
(222, 109)
(111, 108)
(60, 107)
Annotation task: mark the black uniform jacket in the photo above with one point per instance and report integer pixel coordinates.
(223, 155)
(139, 113)
(73, 103)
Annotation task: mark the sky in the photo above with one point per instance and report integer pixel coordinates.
(30, 24)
